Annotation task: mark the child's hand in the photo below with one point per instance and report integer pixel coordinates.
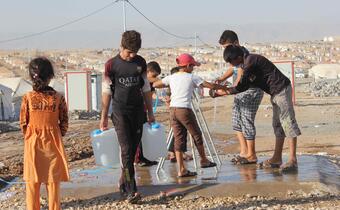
(167, 100)
(212, 93)
(217, 81)
(104, 123)
(151, 118)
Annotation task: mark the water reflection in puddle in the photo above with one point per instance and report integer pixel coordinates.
(311, 169)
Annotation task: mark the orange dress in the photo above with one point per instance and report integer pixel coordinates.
(44, 120)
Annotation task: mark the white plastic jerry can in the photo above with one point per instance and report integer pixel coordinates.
(154, 141)
(106, 148)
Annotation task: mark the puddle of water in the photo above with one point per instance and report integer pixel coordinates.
(311, 169)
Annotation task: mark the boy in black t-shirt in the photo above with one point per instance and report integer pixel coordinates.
(126, 83)
(262, 73)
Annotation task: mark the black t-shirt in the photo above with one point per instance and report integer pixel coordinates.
(152, 88)
(127, 82)
(262, 73)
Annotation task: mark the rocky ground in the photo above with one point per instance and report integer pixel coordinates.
(324, 88)
(320, 126)
(292, 200)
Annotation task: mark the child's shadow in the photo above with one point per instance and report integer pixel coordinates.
(171, 191)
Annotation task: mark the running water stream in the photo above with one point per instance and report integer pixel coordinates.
(215, 112)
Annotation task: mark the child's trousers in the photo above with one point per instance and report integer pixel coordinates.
(33, 195)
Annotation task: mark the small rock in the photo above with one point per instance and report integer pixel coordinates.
(204, 206)
(290, 193)
(264, 205)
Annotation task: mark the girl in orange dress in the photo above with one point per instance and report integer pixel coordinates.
(43, 121)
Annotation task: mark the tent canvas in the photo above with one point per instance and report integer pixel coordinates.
(18, 85)
(6, 107)
(19, 88)
(325, 71)
(58, 86)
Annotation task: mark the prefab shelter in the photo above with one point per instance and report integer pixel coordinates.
(83, 90)
(78, 90)
(287, 68)
(96, 91)
(6, 106)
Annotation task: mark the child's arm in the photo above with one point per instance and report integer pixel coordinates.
(213, 86)
(239, 76)
(24, 115)
(242, 83)
(147, 95)
(160, 83)
(148, 103)
(63, 116)
(226, 75)
(152, 79)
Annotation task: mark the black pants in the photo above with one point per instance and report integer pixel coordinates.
(129, 128)
(139, 153)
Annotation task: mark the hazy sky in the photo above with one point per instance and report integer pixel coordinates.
(255, 21)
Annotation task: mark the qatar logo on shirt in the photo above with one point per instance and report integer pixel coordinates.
(139, 69)
(129, 81)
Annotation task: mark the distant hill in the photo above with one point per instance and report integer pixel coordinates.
(152, 37)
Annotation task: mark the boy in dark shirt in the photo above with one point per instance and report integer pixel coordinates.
(126, 83)
(258, 71)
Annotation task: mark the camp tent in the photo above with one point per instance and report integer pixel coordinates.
(19, 87)
(58, 86)
(6, 107)
(325, 71)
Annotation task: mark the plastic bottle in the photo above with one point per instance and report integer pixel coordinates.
(154, 141)
(106, 148)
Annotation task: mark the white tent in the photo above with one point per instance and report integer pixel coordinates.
(19, 87)
(58, 86)
(6, 107)
(325, 71)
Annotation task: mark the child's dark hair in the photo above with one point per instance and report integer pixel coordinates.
(228, 37)
(40, 71)
(153, 66)
(131, 40)
(174, 70)
(231, 52)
